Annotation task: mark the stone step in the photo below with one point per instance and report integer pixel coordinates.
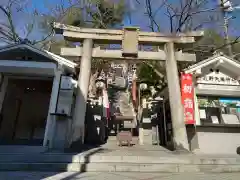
(85, 158)
(21, 149)
(118, 167)
(112, 158)
(114, 139)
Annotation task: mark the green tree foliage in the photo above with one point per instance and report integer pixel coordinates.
(91, 13)
(213, 42)
(106, 14)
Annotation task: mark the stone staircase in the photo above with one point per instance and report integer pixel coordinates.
(126, 109)
(111, 158)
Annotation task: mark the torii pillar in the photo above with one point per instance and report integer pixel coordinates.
(180, 137)
(129, 38)
(82, 93)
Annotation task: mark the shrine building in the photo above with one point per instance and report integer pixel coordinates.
(216, 107)
(37, 89)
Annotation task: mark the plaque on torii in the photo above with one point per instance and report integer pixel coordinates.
(130, 38)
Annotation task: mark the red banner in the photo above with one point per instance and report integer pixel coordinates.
(187, 98)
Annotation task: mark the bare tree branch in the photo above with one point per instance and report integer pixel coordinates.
(151, 15)
(8, 30)
(235, 41)
(7, 12)
(185, 15)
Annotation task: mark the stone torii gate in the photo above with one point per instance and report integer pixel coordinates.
(130, 39)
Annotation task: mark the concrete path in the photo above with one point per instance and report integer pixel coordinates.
(115, 176)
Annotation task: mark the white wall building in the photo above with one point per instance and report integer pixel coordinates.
(217, 105)
(36, 97)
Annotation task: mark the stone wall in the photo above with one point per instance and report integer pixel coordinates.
(216, 140)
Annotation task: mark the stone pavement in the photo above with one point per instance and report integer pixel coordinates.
(115, 176)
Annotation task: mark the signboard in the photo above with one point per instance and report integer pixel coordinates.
(66, 83)
(65, 96)
(187, 98)
(146, 120)
(219, 79)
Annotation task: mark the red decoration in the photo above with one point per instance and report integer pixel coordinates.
(188, 98)
(134, 91)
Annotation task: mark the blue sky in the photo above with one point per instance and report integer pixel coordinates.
(137, 19)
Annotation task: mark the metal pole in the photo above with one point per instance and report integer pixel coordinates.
(164, 122)
(226, 8)
(226, 37)
(158, 136)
